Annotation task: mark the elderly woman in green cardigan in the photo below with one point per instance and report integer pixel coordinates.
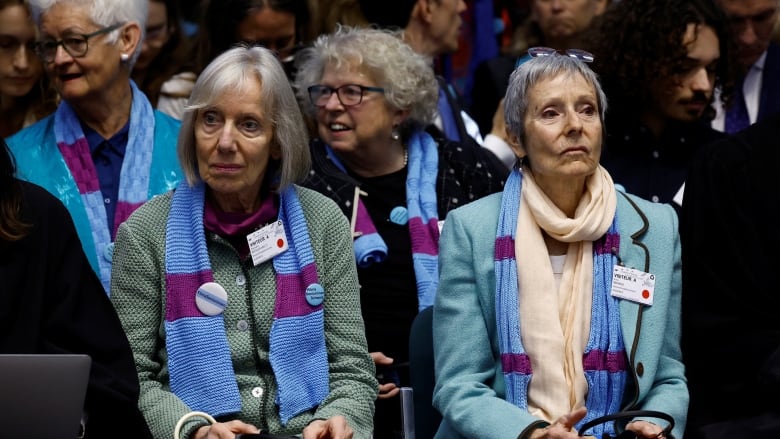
(238, 290)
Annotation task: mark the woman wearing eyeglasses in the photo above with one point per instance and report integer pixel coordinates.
(105, 151)
(393, 175)
(237, 290)
(25, 93)
(565, 292)
(279, 25)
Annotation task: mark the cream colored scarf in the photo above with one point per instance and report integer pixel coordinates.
(555, 325)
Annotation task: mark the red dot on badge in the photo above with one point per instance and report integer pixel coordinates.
(280, 242)
(645, 294)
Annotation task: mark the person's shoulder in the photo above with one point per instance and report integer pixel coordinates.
(30, 136)
(179, 85)
(480, 209)
(633, 209)
(166, 121)
(41, 204)
(152, 213)
(312, 199)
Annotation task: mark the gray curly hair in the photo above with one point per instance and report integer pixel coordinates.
(406, 76)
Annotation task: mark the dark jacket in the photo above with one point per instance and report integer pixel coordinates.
(53, 303)
(731, 331)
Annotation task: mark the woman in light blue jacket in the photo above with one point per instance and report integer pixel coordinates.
(564, 291)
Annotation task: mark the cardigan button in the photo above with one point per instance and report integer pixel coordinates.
(640, 369)
(257, 392)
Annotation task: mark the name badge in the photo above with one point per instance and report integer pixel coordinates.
(267, 242)
(634, 285)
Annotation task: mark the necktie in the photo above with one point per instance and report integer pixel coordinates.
(449, 125)
(737, 118)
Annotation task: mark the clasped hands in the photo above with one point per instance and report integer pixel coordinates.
(563, 427)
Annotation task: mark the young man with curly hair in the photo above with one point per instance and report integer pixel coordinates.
(659, 61)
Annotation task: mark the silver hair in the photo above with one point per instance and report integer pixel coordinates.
(234, 70)
(406, 76)
(536, 70)
(103, 13)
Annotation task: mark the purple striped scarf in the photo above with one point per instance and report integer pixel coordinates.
(199, 359)
(604, 359)
(422, 206)
(134, 175)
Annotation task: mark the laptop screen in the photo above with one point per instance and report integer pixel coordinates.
(43, 395)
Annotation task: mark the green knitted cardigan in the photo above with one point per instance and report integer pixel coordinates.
(138, 294)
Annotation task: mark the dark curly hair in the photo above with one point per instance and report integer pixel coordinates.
(636, 42)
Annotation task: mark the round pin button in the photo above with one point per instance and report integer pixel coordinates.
(211, 298)
(315, 294)
(399, 215)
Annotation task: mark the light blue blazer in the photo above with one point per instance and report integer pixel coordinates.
(470, 390)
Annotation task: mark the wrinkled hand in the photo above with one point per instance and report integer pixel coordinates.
(333, 428)
(645, 429)
(224, 430)
(562, 428)
(387, 390)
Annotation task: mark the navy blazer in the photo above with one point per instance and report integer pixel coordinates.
(769, 103)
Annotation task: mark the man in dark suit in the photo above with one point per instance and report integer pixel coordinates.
(730, 329)
(757, 92)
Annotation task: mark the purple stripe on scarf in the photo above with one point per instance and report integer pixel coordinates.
(609, 361)
(606, 244)
(122, 213)
(425, 238)
(294, 304)
(363, 221)
(79, 161)
(505, 248)
(180, 301)
(516, 363)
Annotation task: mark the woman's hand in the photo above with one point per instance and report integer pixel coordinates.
(333, 428)
(562, 428)
(224, 430)
(645, 429)
(386, 390)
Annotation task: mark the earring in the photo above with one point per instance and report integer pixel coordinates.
(124, 57)
(395, 135)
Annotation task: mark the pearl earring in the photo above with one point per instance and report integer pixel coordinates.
(395, 135)
(124, 57)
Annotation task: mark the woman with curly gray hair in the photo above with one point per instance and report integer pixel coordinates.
(394, 176)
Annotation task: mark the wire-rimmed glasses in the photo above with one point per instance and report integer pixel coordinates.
(76, 45)
(348, 94)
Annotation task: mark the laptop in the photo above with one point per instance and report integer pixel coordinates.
(43, 395)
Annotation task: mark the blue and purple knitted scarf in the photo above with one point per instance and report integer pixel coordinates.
(134, 175)
(421, 203)
(604, 359)
(199, 359)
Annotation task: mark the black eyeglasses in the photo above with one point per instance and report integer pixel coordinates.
(348, 94)
(76, 44)
(581, 55)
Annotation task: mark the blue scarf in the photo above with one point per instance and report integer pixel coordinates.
(421, 202)
(134, 176)
(604, 359)
(199, 359)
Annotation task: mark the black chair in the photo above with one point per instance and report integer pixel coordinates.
(421, 376)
